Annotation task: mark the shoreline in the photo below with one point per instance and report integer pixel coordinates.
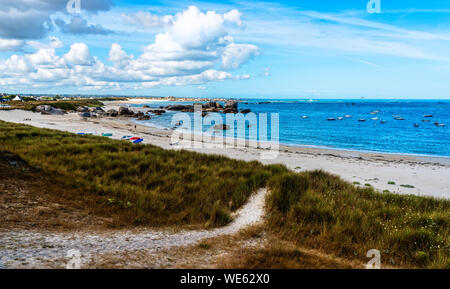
(428, 174)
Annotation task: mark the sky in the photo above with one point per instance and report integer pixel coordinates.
(240, 49)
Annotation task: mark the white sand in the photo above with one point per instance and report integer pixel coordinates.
(430, 176)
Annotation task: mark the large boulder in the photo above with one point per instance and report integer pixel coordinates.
(112, 113)
(48, 109)
(180, 107)
(97, 109)
(125, 111)
(82, 109)
(85, 114)
(231, 104)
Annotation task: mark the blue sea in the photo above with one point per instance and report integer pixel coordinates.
(315, 130)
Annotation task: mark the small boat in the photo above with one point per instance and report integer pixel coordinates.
(331, 118)
(425, 120)
(395, 116)
(340, 118)
(382, 121)
(416, 125)
(106, 134)
(126, 137)
(304, 116)
(361, 119)
(138, 140)
(347, 115)
(135, 138)
(375, 118)
(428, 115)
(440, 124)
(399, 118)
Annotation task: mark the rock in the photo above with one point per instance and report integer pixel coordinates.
(112, 112)
(231, 104)
(221, 127)
(145, 106)
(144, 117)
(180, 107)
(48, 109)
(96, 109)
(244, 111)
(125, 111)
(85, 114)
(82, 109)
(230, 110)
(156, 111)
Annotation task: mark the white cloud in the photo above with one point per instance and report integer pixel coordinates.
(79, 54)
(10, 44)
(194, 49)
(237, 54)
(146, 19)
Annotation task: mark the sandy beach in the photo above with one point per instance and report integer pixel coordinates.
(429, 176)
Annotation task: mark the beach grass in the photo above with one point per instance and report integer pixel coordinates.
(61, 104)
(144, 183)
(321, 211)
(147, 185)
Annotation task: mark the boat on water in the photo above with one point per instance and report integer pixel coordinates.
(439, 124)
(304, 116)
(399, 118)
(340, 118)
(375, 118)
(361, 119)
(416, 125)
(382, 121)
(428, 115)
(425, 120)
(347, 115)
(331, 119)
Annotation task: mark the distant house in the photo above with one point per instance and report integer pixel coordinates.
(17, 98)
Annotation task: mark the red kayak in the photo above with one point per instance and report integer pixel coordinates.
(134, 138)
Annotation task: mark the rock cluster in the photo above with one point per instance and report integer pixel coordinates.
(48, 109)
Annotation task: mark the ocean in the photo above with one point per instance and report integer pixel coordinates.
(306, 123)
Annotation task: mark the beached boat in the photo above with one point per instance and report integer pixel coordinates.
(138, 140)
(107, 134)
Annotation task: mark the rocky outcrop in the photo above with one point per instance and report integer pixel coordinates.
(125, 111)
(112, 113)
(231, 104)
(82, 109)
(48, 109)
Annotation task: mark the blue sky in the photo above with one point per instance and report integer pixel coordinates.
(289, 49)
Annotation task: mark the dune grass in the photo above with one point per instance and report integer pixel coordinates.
(62, 104)
(147, 185)
(321, 211)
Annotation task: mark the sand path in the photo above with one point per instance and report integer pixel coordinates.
(28, 249)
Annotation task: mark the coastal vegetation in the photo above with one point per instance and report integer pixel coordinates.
(147, 185)
(59, 104)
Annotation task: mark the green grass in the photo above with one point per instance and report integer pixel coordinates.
(323, 212)
(391, 183)
(148, 185)
(407, 186)
(62, 104)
